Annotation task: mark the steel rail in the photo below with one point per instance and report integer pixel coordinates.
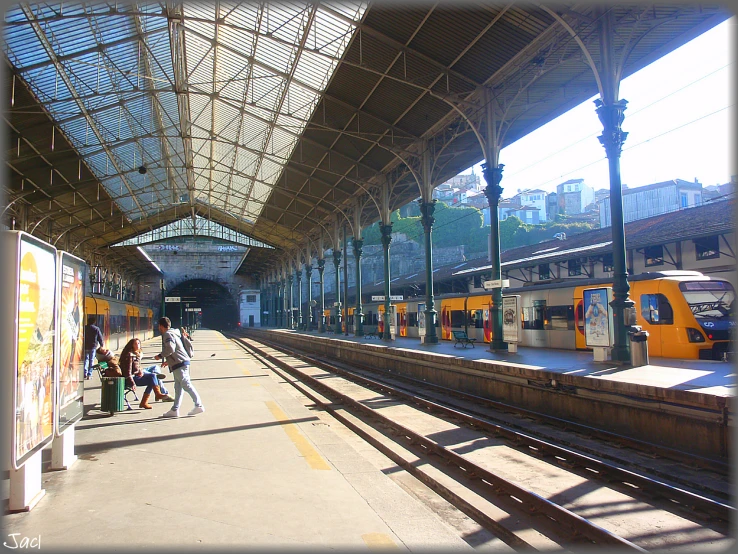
(577, 525)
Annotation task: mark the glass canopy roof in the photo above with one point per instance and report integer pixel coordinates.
(209, 99)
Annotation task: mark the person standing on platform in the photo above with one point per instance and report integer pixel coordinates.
(93, 339)
(174, 356)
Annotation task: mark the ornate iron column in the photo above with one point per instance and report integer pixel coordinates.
(493, 191)
(290, 303)
(281, 302)
(298, 278)
(308, 277)
(386, 231)
(321, 315)
(358, 314)
(337, 264)
(612, 139)
(426, 213)
(345, 280)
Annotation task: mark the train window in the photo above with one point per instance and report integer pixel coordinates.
(653, 255)
(560, 318)
(534, 317)
(656, 309)
(475, 318)
(412, 319)
(707, 248)
(544, 272)
(457, 318)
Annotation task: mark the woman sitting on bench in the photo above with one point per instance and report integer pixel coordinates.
(130, 364)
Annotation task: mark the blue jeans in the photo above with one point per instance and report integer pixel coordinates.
(182, 382)
(148, 379)
(89, 361)
(155, 369)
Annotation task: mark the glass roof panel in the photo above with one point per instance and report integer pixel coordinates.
(251, 74)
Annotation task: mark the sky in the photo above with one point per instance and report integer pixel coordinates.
(679, 121)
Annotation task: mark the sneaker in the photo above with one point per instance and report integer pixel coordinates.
(196, 410)
(171, 413)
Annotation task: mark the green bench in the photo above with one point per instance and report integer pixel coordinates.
(463, 339)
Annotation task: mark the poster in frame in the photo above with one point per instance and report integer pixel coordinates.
(598, 320)
(511, 318)
(31, 303)
(69, 359)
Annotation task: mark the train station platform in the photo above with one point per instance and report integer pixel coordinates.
(684, 405)
(706, 376)
(258, 469)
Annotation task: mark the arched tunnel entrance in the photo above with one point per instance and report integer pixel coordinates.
(219, 309)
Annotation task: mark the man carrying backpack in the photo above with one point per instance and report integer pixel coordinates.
(175, 357)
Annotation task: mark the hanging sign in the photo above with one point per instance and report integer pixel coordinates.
(511, 318)
(496, 284)
(172, 299)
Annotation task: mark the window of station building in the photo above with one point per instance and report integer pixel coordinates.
(654, 255)
(707, 248)
(608, 266)
(477, 281)
(656, 309)
(575, 267)
(683, 199)
(250, 298)
(544, 272)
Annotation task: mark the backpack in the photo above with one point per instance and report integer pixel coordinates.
(187, 344)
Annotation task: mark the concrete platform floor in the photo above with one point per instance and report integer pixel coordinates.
(258, 469)
(708, 377)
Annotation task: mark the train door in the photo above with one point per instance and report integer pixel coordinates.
(445, 321)
(579, 339)
(475, 324)
(380, 319)
(402, 319)
(652, 314)
(487, 322)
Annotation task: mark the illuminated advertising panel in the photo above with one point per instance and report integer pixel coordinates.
(511, 318)
(70, 355)
(32, 303)
(598, 322)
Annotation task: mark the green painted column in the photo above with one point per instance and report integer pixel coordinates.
(493, 191)
(337, 264)
(290, 304)
(283, 305)
(163, 300)
(427, 219)
(308, 278)
(298, 278)
(358, 314)
(386, 231)
(321, 315)
(612, 139)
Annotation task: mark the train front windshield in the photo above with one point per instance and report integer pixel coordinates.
(710, 301)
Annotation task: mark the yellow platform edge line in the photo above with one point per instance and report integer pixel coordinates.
(314, 460)
(377, 541)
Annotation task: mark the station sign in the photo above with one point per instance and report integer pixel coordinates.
(172, 299)
(193, 309)
(393, 298)
(496, 284)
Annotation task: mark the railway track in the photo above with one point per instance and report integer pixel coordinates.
(460, 470)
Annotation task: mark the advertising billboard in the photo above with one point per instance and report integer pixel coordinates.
(598, 322)
(31, 306)
(511, 318)
(71, 282)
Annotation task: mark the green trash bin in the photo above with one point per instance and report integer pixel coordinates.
(113, 394)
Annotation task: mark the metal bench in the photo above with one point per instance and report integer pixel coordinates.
(463, 339)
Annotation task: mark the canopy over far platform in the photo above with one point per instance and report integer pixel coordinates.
(270, 119)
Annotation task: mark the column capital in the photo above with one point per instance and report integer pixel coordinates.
(426, 214)
(308, 270)
(612, 116)
(386, 231)
(358, 245)
(321, 265)
(336, 257)
(493, 176)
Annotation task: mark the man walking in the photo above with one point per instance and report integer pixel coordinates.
(93, 340)
(174, 356)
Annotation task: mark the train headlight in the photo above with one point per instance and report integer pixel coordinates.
(695, 335)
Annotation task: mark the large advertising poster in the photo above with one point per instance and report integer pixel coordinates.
(598, 317)
(33, 400)
(70, 358)
(511, 318)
